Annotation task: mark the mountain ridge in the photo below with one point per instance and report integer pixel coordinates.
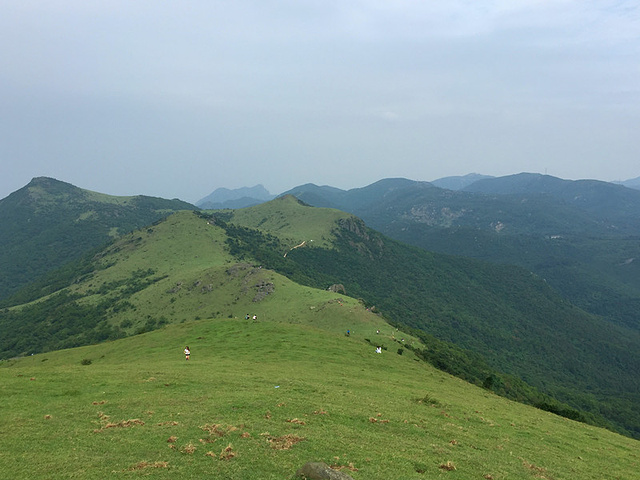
(48, 223)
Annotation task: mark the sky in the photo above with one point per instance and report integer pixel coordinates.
(177, 99)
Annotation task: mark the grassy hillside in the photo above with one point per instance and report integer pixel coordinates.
(197, 266)
(260, 399)
(48, 223)
(174, 271)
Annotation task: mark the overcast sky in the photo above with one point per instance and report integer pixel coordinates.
(175, 99)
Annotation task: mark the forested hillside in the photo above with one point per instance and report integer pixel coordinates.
(48, 223)
(582, 238)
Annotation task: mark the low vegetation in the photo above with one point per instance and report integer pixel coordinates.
(260, 399)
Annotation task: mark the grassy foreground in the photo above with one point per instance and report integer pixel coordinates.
(257, 400)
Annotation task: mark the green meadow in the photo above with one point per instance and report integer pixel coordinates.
(258, 399)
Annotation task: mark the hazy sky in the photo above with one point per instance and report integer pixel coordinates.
(176, 99)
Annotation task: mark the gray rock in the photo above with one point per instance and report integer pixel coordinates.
(321, 471)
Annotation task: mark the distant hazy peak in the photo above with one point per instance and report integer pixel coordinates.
(631, 183)
(459, 182)
(222, 195)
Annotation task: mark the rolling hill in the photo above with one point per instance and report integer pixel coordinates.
(506, 323)
(506, 314)
(48, 223)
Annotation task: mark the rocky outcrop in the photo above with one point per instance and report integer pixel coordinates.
(321, 471)
(337, 288)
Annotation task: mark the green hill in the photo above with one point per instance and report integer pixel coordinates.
(507, 315)
(260, 399)
(507, 324)
(48, 223)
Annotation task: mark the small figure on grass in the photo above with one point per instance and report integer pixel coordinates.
(187, 353)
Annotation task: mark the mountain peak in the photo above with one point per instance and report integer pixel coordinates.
(236, 198)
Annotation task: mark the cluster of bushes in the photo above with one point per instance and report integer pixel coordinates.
(60, 321)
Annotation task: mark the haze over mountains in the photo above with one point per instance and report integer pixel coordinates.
(580, 240)
(237, 198)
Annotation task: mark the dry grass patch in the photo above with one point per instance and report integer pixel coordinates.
(538, 472)
(284, 442)
(188, 449)
(122, 424)
(218, 429)
(143, 465)
(297, 421)
(227, 453)
(449, 466)
(350, 467)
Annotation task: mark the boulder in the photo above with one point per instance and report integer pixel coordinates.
(321, 471)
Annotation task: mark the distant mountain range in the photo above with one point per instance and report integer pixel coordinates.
(249, 196)
(580, 236)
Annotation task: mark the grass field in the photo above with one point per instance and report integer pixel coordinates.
(259, 399)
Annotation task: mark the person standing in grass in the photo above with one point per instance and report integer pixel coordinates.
(187, 353)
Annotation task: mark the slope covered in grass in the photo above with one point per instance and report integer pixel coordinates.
(177, 270)
(199, 266)
(48, 223)
(260, 399)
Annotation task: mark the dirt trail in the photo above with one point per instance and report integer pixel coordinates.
(297, 246)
